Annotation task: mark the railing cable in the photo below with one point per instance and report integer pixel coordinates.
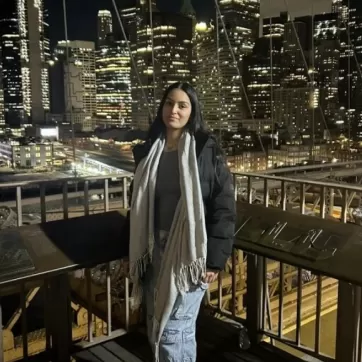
(218, 71)
(313, 87)
(69, 98)
(271, 78)
(150, 7)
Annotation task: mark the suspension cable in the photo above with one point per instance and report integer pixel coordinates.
(271, 79)
(350, 46)
(132, 58)
(313, 86)
(153, 57)
(238, 71)
(306, 66)
(70, 106)
(218, 71)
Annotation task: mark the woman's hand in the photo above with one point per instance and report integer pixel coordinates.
(210, 276)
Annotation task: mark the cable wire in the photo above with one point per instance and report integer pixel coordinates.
(271, 79)
(238, 71)
(306, 65)
(70, 106)
(217, 28)
(153, 58)
(132, 58)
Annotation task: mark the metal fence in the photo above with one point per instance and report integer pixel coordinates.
(92, 321)
(290, 296)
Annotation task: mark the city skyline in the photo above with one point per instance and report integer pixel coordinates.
(87, 10)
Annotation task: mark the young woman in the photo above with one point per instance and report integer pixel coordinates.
(182, 222)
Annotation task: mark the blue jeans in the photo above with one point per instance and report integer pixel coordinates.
(178, 341)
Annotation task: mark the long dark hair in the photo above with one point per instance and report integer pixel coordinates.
(196, 122)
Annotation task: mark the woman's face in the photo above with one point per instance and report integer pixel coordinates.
(177, 109)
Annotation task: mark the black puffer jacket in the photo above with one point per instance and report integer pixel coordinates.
(218, 194)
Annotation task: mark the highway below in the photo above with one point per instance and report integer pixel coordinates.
(122, 160)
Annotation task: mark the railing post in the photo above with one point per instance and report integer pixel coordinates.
(255, 303)
(1, 336)
(125, 196)
(348, 328)
(60, 326)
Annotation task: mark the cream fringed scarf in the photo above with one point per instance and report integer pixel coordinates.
(184, 260)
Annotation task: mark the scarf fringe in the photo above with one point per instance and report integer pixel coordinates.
(137, 271)
(190, 274)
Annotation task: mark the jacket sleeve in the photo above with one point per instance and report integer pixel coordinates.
(220, 217)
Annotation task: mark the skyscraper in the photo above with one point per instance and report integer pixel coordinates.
(187, 9)
(207, 72)
(79, 82)
(24, 58)
(105, 26)
(263, 75)
(113, 74)
(326, 58)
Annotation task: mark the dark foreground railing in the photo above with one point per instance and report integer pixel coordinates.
(43, 257)
(273, 292)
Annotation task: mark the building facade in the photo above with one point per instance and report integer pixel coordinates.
(105, 26)
(31, 155)
(113, 74)
(80, 90)
(25, 55)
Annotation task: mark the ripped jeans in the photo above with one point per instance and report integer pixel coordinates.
(178, 341)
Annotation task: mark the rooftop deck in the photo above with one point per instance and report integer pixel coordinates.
(286, 269)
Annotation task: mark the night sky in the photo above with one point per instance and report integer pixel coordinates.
(82, 14)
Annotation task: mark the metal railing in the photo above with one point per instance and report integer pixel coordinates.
(88, 326)
(82, 189)
(290, 296)
(92, 321)
(287, 290)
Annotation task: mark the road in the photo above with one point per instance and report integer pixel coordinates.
(327, 336)
(122, 160)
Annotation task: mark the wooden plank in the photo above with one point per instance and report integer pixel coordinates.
(120, 352)
(217, 341)
(86, 356)
(105, 355)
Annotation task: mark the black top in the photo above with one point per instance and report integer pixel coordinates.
(168, 190)
(218, 195)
